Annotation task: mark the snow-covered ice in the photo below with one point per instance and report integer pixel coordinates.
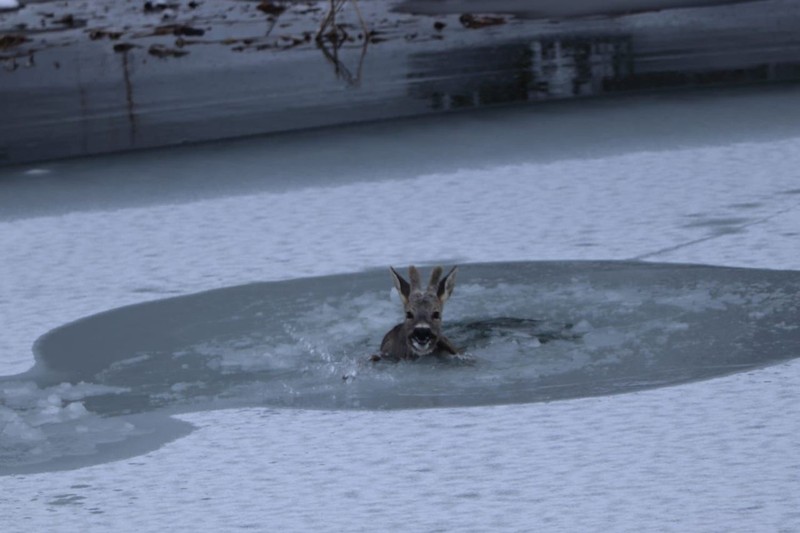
(705, 456)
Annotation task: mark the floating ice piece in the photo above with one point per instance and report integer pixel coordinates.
(39, 424)
(8, 4)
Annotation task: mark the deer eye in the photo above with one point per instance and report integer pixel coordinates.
(436, 315)
(409, 315)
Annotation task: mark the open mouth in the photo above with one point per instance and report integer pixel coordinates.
(422, 346)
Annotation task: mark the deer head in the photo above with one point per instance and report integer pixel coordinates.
(421, 332)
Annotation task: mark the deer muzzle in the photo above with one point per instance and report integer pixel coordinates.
(422, 339)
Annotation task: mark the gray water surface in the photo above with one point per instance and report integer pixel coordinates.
(529, 331)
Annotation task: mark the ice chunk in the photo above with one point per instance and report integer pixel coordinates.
(14, 430)
(39, 424)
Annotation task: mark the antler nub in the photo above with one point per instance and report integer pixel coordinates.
(433, 284)
(413, 276)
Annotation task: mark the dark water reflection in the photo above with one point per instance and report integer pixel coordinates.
(208, 75)
(572, 66)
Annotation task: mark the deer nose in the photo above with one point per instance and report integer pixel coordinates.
(422, 334)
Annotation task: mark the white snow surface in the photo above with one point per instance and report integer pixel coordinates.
(720, 455)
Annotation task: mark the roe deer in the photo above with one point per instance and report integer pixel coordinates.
(421, 332)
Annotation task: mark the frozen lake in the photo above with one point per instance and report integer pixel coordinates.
(178, 410)
(186, 330)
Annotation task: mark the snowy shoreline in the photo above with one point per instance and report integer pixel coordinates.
(77, 81)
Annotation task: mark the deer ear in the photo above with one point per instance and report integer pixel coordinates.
(402, 286)
(446, 285)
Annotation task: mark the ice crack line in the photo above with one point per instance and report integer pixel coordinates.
(741, 226)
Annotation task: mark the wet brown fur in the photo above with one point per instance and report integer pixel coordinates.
(423, 308)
